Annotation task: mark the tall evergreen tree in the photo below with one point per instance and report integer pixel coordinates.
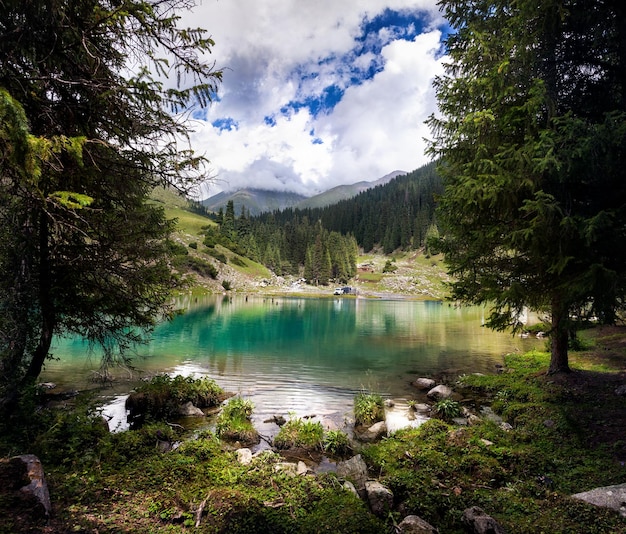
(532, 142)
(88, 130)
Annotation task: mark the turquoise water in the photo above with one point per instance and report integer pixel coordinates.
(304, 355)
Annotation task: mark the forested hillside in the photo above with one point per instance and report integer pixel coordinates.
(323, 243)
(395, 215)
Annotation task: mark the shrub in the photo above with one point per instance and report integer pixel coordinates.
(446, 409)
(240, 262)
(198, 265)
(368, 408)
(336, 443)
(234, 424)
(299, 433)
(227, 285)
(193, 245)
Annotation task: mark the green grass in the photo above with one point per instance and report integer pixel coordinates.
(234, 422)
(368, 409)
(298, 432)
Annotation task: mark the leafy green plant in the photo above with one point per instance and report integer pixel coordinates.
(234, 422)
(300, 433)
(446, 409)
(336, 443)
(368, 408)
(227, 285)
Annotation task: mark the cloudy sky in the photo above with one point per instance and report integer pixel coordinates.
(317, 93)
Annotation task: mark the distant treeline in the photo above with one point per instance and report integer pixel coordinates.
(322, 243)
(397, 215)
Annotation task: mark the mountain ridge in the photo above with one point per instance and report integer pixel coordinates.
(257, 200)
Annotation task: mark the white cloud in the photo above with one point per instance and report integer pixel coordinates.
(275, 52)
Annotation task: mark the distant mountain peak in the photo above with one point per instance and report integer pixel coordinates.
(258, 201)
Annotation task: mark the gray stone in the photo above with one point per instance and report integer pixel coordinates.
(424, 383)
(302, 468)
(613, 497)
(421, 407)
(413, 524)
(189, 410)
(354, 470)
(244, 456)
(473, 420)
(375, 432)
(439, 392)
(379, 497)
(481, 523)
(37, 487)
(349, 486)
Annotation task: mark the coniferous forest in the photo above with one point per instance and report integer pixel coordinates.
(323, 242)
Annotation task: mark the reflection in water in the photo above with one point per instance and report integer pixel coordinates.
(307, 355)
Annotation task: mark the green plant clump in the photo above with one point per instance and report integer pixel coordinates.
(300, 433)
(234, 422)
(368, 409)
(163, 396)
(336, 443)
(446, 409)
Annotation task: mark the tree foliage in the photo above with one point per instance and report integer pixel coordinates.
(532, 144)
(91, 123)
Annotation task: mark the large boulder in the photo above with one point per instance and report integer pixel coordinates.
(424, 383)
(374, 432)
(481, 523)
(354, 470)
(413, 524)
(23, 487)
(439, 392)
(379, 497)
(613, 497)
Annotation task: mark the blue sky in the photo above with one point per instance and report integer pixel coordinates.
(317, 94)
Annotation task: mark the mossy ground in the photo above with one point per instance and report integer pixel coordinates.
(568, 436)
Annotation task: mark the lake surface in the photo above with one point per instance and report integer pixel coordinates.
(307, 356)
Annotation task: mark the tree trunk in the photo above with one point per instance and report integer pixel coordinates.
(559, 338)
(48, 313)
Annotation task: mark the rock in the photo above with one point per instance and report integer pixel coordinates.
(460, 421)
(244, 456)
(189, 410)
(389, 403)
(439, 392)
(302, 468)
(486, 442)
(489, 414)
(374, 432)
(481, 523)
(424, 383)
(278, 419)
(413, 524)
(421, 407)
(47, 385)
(349, 486)
(354, 470)
(507, 427)
(379, 497)
(473, 420)
(37, 487)
(613, 497)
(620, 391)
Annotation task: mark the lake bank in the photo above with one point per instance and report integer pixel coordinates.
(559, 444)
